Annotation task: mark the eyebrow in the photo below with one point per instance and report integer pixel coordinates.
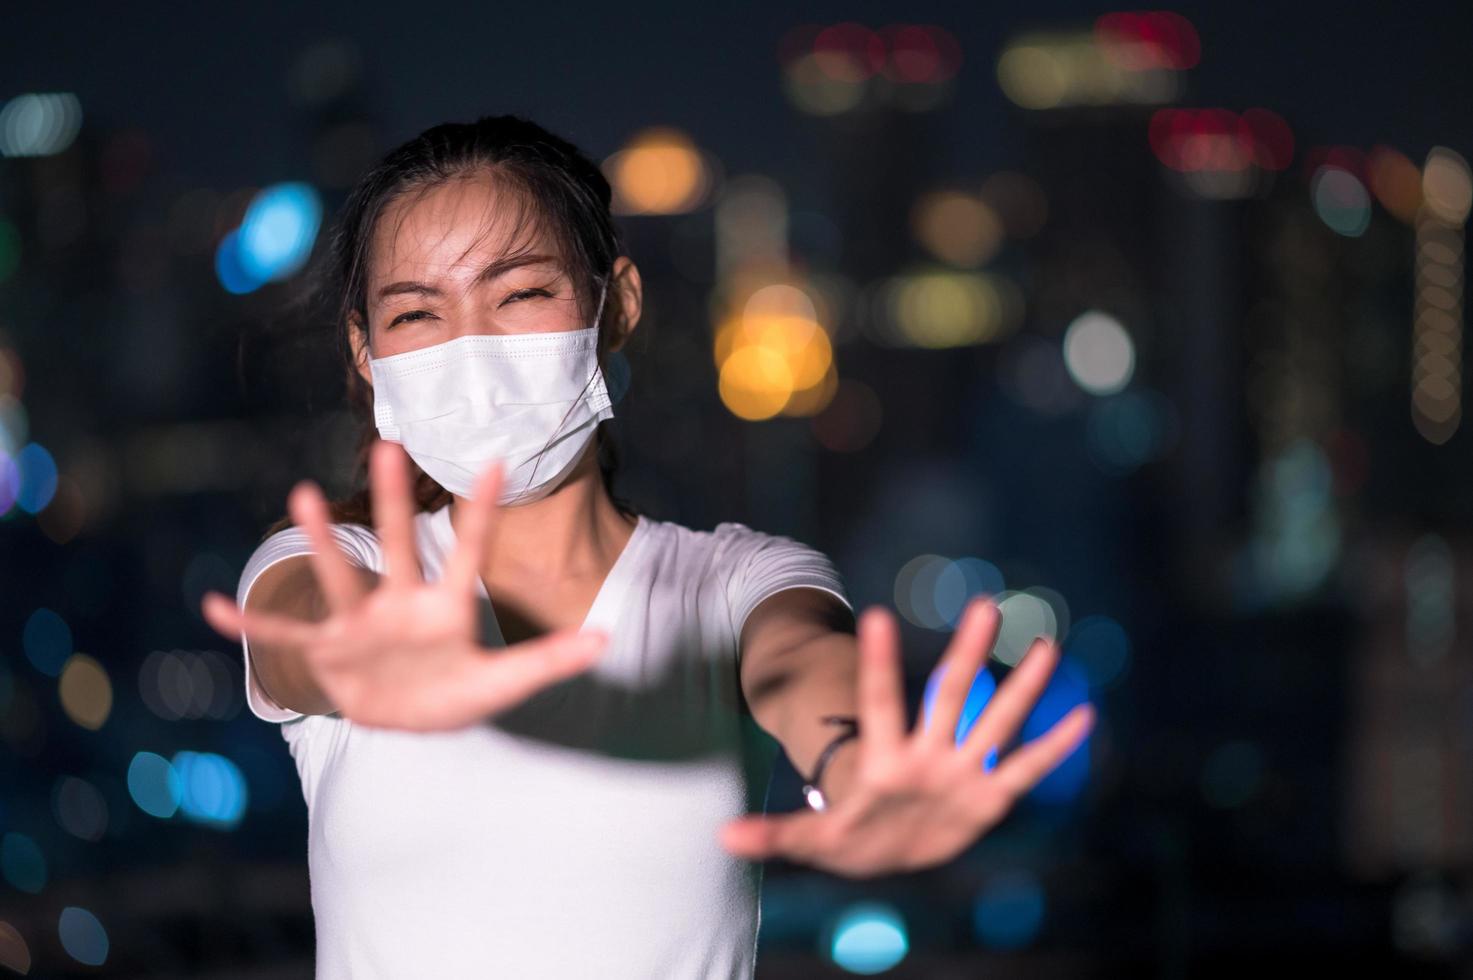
(492, 271)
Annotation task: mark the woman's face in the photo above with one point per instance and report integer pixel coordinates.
(437, 272)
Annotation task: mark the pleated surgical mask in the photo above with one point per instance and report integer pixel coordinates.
(532, 400)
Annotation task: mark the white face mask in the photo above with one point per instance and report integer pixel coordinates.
(532, 400)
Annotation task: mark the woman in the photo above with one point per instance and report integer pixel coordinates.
(529, 722)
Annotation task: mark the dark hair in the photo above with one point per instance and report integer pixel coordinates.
(556, 189)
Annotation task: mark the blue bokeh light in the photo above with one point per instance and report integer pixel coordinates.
(230, 266)
(1008, 911)
(278, 230)
(154, 785)
(1067, 689)
(82, 936)
(47, 640)
(9, 482)
(212, 788)
(37, 483)
(983, 686)
(22, 863)
(869, 938)
(1101, 648)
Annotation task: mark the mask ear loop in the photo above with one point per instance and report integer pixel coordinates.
(597, 317)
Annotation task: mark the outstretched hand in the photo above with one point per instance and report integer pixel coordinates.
(918, 799)
(405, 653)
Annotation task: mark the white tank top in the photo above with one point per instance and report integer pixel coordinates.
(576, 835)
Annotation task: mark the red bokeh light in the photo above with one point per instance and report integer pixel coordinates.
(920, 53)
(851, 45)
(1220, 140)
(1143, 39)
(1345, 157)
(1273, 141)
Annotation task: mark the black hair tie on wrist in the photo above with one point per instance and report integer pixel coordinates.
(811, 793)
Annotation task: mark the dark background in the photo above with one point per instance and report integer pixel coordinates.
(1272, 559)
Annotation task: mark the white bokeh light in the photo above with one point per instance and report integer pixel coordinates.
(1099, 353)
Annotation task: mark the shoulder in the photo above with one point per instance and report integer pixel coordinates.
(734, 541)
(359, 544)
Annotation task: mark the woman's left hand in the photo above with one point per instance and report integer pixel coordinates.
(914, 800)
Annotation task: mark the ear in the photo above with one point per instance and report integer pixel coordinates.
(628, 289)
(358, 342)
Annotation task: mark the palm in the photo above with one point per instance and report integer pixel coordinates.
(919, 798)
(406, 654)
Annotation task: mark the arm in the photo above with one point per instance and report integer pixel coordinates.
(799, 662)
(290, 588)
(402, 653)
(909, 798)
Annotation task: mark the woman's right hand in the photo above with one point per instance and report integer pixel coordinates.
(405, 653)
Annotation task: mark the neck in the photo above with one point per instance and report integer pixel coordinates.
(573, 532)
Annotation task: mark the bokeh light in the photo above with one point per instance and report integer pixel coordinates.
(47, 640)
(1101, 648)
(82, 936)
(939, 308)
(774, 357)
(1142, 40)
(868, 938)
(79, 807)
(1025, 617)
(154, 785)
(86, 692)
(1098, 353)
(274, 239)
(22, 863)
(14, 424)
(212, 789)
(659, 171)
(184, 684)
(833, 69)
(1128, 430)
(15, 954)
(9, 482)
(1341, 201)
(1053, 69)
(1008, 910)
(957, 227)
(1067, 689)
(932, 591)
(1396, 181)
(978, 694)
(39, 125)
(1447, 187)
(37, 483)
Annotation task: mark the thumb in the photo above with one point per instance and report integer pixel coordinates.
(523, 669)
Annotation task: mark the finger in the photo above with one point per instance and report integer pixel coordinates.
(794, 836)
(230, 620)
(393, 512)
(881, 692)
(341, 587)
(476, 525)
(516, 673)
(1015, 697)
(1026, 766)
(966, 655)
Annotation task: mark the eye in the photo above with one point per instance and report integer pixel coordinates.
(525, 293)
(409, 317)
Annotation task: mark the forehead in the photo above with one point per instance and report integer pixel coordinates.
(452, 229)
